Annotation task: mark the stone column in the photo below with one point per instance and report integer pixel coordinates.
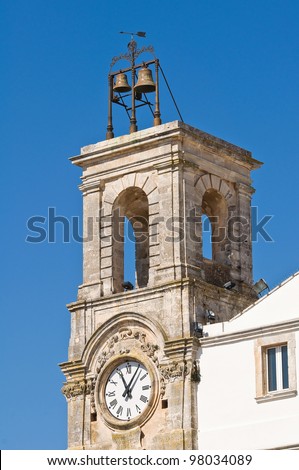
(171, 225)
(91, 240)
(75, 392)
(245, 246)
(192, 225)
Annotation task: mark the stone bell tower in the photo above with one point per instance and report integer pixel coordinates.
(162, 178)
(132, 372)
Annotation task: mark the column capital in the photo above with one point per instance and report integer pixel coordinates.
(245, 189)
(91, 185)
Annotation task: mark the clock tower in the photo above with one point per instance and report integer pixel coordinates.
(133, 366)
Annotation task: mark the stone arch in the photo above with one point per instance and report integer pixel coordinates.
(118, 335)
(131, 203)
(140, 180)
(147, 256)
(216, 198)
(214, 206)
(208, 181)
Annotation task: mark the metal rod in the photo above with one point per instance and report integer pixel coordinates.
(109, 133)
(157, 114)
(171, 93)
(133, 122)
(124, 104)
(143, 104)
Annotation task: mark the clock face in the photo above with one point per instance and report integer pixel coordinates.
(128, 390)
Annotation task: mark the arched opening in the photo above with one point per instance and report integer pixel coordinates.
(129, 252)
(207, 251)
(214, 207)
(131, 204)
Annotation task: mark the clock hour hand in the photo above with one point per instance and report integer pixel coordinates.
(122, 378)
(128, 387)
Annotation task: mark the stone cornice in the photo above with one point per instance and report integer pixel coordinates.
(127, 297)
(90, 185)
(181, 346)
(250, 333)
(156, 292)
(245, 189)
(100, 152)
(74, 368)
(79, 304)
(154, 137)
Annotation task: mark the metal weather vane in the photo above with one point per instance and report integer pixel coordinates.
(133, 52)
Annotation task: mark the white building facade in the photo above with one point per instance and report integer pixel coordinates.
(247, 396)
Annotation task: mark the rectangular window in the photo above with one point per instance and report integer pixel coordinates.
(277, 368)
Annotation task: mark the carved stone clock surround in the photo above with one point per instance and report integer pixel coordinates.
(146, 343)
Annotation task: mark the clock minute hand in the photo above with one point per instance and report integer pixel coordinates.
(127, 390)
(133, 384)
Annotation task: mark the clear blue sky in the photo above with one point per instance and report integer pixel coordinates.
(234, 70)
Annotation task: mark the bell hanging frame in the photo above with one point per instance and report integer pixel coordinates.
(131, 56)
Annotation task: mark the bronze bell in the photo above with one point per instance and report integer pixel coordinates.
(121, 83)
(145, 83)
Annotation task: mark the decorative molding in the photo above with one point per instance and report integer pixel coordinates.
(125, 334)
(252, 333)
(73, 389)
(173, 371)
(80, 387)
(90, 185)
(93, 409)
(245, 189)
(150, 350)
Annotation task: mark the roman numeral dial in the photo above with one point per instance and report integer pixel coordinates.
(128, 390)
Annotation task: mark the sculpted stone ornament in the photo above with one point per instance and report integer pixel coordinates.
(113, 346)
(79, 387)
(90, 390)
(103, 358)
(75, 389)
(172, 372)
(150, 350)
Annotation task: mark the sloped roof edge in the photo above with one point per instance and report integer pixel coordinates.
(286, 281)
